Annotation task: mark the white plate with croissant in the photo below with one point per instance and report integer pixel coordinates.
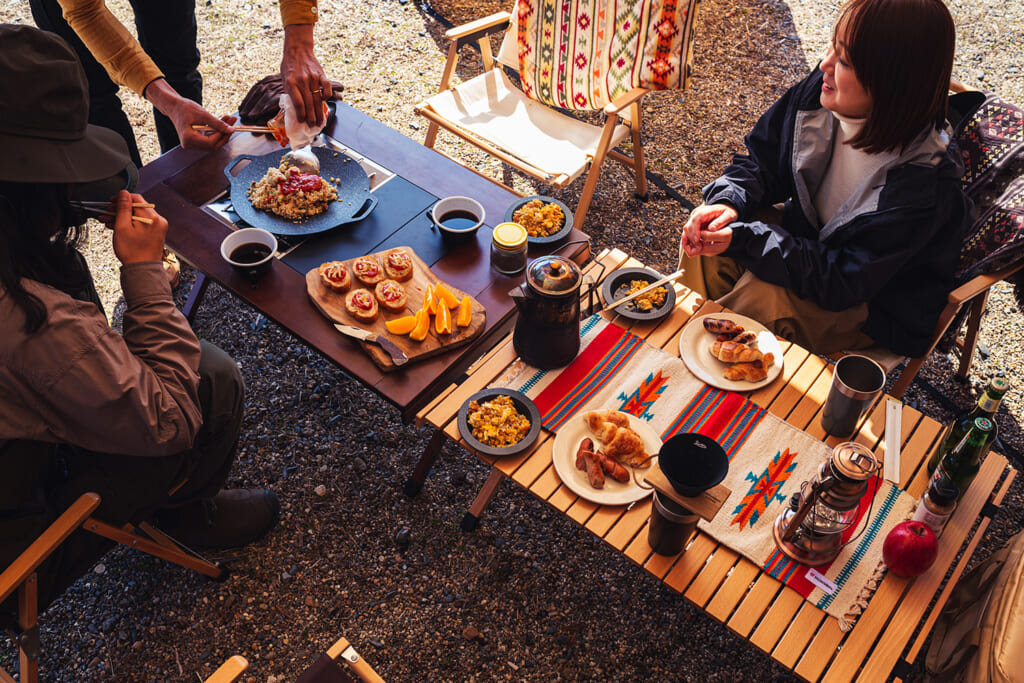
(721, 354)
(621, 443)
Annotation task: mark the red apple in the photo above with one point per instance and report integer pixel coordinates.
(910, 548)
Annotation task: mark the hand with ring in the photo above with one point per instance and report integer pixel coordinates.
(304, 77)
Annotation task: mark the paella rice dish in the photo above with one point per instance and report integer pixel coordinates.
(645, 302)
(540, 218)
(497, 423)
(291, 194)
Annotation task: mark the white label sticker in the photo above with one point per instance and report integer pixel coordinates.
(821, 581)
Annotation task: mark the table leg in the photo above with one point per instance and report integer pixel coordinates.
(490, 487)
(419, 475)
(195, 296)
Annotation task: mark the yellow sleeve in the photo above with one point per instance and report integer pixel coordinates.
(299, 12)
(111, 43)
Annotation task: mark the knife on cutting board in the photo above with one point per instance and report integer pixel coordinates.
(398, 356)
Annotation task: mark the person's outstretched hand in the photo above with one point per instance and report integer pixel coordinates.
(135, 241)
(184, 113)
(304, 78)
(707, 231)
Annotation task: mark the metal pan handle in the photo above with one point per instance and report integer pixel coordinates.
(367, 208)
(234, 162)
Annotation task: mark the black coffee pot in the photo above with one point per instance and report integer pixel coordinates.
(547, 332)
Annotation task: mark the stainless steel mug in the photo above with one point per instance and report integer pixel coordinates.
(671, 525)
(856, 384)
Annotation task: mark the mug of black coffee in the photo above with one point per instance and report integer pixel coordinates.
(249, 251)
(856, 384)
(458, 218)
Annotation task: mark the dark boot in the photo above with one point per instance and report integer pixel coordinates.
(232, 518)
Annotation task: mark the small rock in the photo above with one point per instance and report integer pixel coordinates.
(403, 538)
(100, 568)
(470, 633)
(359, 465)
(320, 490)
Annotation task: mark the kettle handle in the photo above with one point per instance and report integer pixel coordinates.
(589, 278)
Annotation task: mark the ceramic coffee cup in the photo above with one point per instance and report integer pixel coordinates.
(249, 251)
(457, 218)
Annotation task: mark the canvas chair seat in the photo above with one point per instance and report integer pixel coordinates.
(491, 108)
(607, 56)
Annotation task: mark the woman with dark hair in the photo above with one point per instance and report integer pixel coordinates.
(863, 254)
(148, 419)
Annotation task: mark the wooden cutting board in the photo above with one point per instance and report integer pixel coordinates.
(332, 305)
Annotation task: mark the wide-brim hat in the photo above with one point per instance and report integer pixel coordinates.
(45, 135)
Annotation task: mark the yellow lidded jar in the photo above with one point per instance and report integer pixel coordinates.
(508, 248)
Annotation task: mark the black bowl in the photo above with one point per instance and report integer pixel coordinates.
(693, 463)
(525, 407)
(615, 285)
(553, 237)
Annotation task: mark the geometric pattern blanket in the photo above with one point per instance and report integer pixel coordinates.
(582, 54)
(769, 459)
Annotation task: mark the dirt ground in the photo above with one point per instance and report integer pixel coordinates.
(529, 596)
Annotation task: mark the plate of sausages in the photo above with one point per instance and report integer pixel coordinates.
(730, 351)
(599, 455)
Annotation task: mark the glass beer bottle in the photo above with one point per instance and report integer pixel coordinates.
(961, 464)
(986, 406)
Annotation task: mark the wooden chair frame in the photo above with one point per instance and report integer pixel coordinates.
(20, 575)
(973, 293)
(478, 32)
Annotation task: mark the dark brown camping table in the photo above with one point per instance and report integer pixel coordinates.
(181, 182)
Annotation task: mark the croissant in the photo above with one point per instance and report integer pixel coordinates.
(754, 371)
(621, 443)
(731, 352)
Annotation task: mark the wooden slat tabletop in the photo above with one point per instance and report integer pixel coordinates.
(728, 586)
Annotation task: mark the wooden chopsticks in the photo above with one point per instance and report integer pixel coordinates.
(240, 129)
(103, 205)
(103, 209)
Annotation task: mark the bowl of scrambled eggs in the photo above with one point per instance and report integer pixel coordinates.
(499, 422)
(546, 219)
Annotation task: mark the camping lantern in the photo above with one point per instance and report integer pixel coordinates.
(811, 530)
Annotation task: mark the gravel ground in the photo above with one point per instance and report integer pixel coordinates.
(528, 596)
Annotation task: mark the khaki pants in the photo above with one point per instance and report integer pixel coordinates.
(799, 320)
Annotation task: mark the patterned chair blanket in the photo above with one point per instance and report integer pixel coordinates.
(990, 137)
(582, 54)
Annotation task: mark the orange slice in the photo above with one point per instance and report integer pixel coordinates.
(465, 314)
(442, 293)
(429, 303)
(443, 319)
(419, 333)
(403, 325)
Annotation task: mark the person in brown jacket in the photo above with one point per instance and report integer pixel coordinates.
(148, 419)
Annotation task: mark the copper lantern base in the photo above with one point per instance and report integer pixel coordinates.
(805, 547)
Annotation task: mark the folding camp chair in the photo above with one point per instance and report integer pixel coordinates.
(20, 575)
(990, 137)
(588, 55)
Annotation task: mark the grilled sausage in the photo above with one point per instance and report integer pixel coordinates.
(595, 475)
(586, 446)
(719, 325)
(613, 469)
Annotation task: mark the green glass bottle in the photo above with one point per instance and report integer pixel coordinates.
(961, 464)
(987, 406)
